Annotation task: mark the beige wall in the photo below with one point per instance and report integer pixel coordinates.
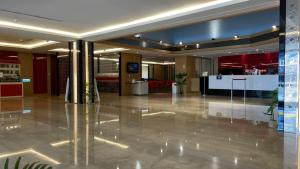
(26, 72)
(127, 77)
(186, 64)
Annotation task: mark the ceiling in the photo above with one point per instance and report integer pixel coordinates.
(82, 16)
(28, 22)
(98, 20)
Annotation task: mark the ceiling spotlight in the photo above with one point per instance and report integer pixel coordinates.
(274, 27)
(138, 35)
(236, 37)
(197, 45)
(180, 43)
(161, 42)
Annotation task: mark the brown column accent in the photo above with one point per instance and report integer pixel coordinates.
(54, 75)
(124, 76)
(186, 64)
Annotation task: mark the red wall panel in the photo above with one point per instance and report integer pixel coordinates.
(11, 90)
(247, 61)
(40, 73)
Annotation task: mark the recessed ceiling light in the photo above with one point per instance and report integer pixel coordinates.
(161, 42)
(236, 37)
(197, 45)
(138, 35)
(274, 26)
(180, 43)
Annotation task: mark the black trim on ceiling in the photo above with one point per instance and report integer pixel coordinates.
(213, 44)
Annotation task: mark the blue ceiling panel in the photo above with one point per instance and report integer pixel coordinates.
(241, 25)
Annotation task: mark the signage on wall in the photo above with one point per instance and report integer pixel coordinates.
(205, 74)
(26, 80)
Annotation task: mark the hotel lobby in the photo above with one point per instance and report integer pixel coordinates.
(210, 84)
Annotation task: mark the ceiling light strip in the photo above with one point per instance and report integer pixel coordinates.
(13, 25)
(30, 46)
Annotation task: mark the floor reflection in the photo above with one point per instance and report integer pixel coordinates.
(147, 132)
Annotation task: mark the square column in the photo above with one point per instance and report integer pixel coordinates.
(288, 90)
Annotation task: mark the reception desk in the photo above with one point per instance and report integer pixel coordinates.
(255, 85)
(241, 82)
(11, 89)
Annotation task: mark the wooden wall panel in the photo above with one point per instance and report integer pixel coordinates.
(26, 72)
(186, 64)
(125, 77)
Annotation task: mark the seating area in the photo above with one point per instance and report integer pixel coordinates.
(160, 86)
(108, 82)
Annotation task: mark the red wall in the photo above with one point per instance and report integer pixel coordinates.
(40, 73)
(9, 57)
(247, 61)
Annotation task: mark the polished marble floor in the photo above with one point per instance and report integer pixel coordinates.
(148, 132)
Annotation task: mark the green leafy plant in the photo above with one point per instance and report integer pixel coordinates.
(35, 165)
(89, 93)
(274, 103)
(181, 79)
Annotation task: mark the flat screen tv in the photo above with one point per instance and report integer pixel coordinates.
(133, 67)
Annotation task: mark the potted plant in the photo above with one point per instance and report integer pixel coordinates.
(181, 79)
(89, 94)
(35, 165)
(273, 106)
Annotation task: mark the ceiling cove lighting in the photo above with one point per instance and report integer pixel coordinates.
(171, 14)
(109, 50)
(59, 50)
(158, 63)
(95, 52)
(30, 151)
(29, 46)
(19, 26)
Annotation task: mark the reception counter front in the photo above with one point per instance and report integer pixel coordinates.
(11, 89)
(255, 85)
(241, 82)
